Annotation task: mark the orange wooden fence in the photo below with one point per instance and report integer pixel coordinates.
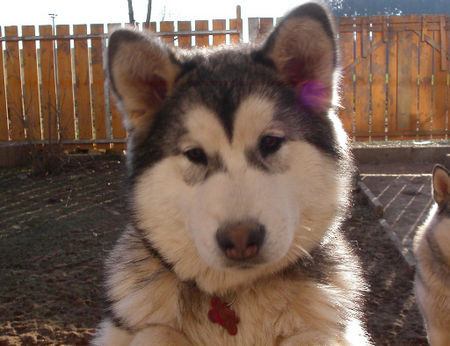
(395, 77)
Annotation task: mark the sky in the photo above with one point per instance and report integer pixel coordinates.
(35, 12)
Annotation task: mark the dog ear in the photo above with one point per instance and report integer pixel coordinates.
(141, 72)
(441, 184)
(302, 48)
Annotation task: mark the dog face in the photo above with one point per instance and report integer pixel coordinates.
(237, 163)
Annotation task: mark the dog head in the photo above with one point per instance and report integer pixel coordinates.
(237, 161)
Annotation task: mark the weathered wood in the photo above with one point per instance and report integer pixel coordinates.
(265, 27)
(3, 108)
(347, 113)
(236, 24)
(82, 84)
(362, 93)
(219, 39)
(253, 29)
(444, 58)
(415, 98)
(201, 40)
(365, 39)
(98, 90)
(425, 87)
(151, 27)
(407, 81)
(378, 95)
(392, 83)
(31, 87)
(167, 27)
(14, 83)
(184, 41)
(48, 91)
(439, 87)
(65, 85)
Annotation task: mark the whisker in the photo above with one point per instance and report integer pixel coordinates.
(306, 227)
(302, 249)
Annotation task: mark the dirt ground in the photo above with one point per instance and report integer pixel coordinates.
(55, 232)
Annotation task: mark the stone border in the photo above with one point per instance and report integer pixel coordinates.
(410, 154)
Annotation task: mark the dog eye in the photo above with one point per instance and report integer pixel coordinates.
(197, 156)
(270, 144)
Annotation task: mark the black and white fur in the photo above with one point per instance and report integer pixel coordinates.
(224, 142)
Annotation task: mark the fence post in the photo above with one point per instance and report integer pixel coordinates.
(31, 86)
(236, 24)
(65, 86)
(14, 94)
(3, 109)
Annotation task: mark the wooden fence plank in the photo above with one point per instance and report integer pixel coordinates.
(439, 87)
(425, 89)
(3, 108)
(417, 100)
(82, 84)
(65, 85)
(362, 94)
(265, 27)
(392, 83)
(347, 112)
(219, 39)
(184, 41)
(151, 27)
(407, 84)
(444, 43)
(201, 40)
(167, 27)
(48, 91)
(118, 130)
(14, 86)
(378, 85)
(253, 29)
(98, 92)
(236, 24)
(31, 86)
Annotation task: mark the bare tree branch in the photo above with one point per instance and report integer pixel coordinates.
(130, 11)
(149, 12)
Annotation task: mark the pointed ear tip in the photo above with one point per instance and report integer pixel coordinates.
(440, 169)
(313, 9)
(122, 34)
(316, 11)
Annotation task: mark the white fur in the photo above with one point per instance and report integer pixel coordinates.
(295, 206)
(432, 291)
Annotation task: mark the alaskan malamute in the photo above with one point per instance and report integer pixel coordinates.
(432, 252)
(239, 180)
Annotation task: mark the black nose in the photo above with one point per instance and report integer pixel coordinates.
(241, 240)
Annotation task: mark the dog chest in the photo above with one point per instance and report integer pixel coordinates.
(267, 312)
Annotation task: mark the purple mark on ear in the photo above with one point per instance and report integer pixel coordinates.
(312, 94)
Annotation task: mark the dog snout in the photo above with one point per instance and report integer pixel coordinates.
(242, 240)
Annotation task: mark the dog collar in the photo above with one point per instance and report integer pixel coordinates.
(222, 314)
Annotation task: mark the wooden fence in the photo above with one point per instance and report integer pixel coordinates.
(395, 75)
(395, 78)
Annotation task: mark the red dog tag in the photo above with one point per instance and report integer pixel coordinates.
(222, 314)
